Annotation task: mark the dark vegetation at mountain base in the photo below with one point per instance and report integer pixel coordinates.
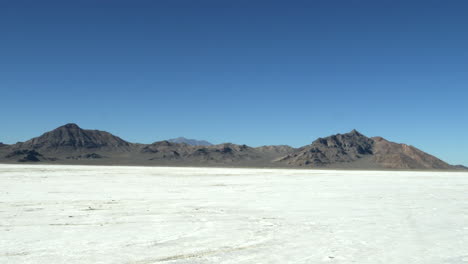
(26, 155)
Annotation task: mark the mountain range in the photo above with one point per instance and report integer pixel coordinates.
(70, 144)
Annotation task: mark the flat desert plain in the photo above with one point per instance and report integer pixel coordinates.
(97, 214)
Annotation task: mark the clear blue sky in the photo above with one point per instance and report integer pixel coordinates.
(253, 72)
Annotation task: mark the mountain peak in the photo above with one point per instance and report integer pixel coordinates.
(353, 132)
(70, 126)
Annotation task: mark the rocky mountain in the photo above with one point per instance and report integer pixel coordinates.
(354, 150)
(70, 144)
(71, 137)
(330, 150)
(192, 142)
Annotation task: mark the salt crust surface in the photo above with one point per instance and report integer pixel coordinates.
(98, 214)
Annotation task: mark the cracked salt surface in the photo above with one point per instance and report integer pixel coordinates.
(86, 214)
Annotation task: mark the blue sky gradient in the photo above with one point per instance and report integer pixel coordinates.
(253, 72)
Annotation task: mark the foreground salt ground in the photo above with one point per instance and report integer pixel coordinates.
(85, 214)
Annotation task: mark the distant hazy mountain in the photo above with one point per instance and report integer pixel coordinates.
(70, 144)
(192, 142)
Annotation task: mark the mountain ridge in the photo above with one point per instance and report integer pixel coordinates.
(70, 144)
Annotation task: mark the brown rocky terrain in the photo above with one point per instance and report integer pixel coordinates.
(401, 156)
